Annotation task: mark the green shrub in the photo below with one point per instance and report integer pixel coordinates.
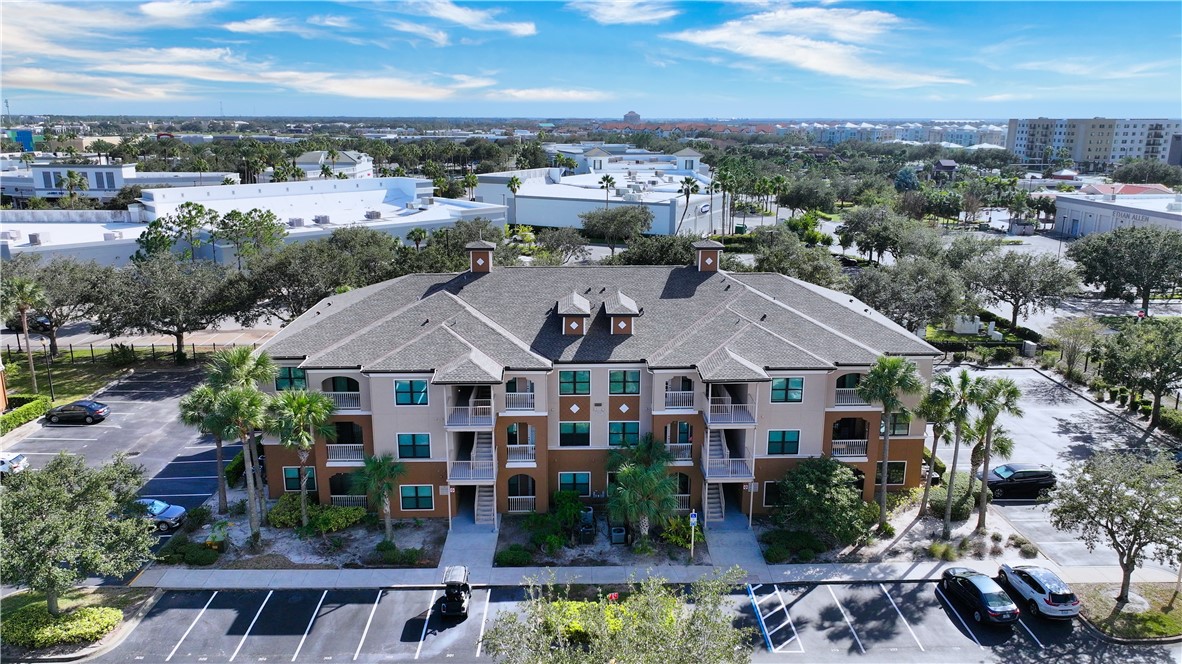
(1028, 550)
(805, 555)
(121, 355)
(1171, 420)
(173, 551)
(677, 533)
(1076, 376)
(939, 467)
(401, 557)
(331, 518)
(238, 507)
(1146, 409)
(235, 469)
(943, 551)
(1121, 399)
(958, 357)
(776, 554)
(793, 541)
(985, 353)
(887, 530)
(964, 500)
(386, 545)
(1017, 541)
(199, 554)
(1004, 354)
(24, 413)
(286, 512)
(32, 626)
(515, 556)
(196, 518)
(996, 537)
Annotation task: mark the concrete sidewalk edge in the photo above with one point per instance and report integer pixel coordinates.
(108, 643)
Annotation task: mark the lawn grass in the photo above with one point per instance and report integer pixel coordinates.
(70, 381)
(1164, 617)
(939, 335)
(117, 597)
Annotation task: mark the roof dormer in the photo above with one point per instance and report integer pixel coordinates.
(622, 311)
(480, 255)
(709, 254)
(576, 314)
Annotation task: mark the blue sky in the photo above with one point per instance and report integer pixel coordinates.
(595, 58)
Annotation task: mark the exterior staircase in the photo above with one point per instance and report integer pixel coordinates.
(482, 449)
(717, 449)
(715, 505)
(486, 505)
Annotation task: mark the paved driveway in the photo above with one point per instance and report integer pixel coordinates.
(1058, 428)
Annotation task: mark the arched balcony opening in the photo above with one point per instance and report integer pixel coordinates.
(344, 391)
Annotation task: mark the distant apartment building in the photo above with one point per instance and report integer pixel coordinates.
(498, 386)
(631, 117)
(1094, 144)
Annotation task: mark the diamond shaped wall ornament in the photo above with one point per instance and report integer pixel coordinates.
(621, 325)
(480, 261)
(574, 408)
(709, 261)
(574, 325)
(623, 408)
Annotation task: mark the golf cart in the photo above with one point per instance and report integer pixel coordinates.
(457, 592)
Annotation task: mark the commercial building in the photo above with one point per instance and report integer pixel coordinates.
(1094, 144)
(103, 181)
(350, 163)
(498, 386)
(1077, 215)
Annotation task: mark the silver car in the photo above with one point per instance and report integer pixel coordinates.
(1042, 590)
(162, 514)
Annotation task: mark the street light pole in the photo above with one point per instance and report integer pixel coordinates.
(48, 372)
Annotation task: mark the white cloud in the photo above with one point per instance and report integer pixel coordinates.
(473, 19)
(82, 85)
(1007, 96)
(327, 21)
(433, 35)
(466, 82)
(179, 9)
(1094, 68)
(548, 94)
(615, 12)
(268, 25)
(797, 37)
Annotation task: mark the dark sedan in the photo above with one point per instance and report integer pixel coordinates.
(981, 594)
(1020, 479)
(79, 411)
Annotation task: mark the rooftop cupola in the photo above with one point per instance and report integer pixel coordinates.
(576, 314)
(622, 312)
(709, 254)
(480, 255)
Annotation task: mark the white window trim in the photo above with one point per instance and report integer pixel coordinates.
(411, 405)
(639, 383)
(559, 440)
(283, 475)
(420, 509)
(803, 382)
(577, 472)
(878, 468)
(768, 445)
(397, 445)
(765, 492)
(639, 431)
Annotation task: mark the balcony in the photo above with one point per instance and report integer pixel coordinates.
(523, 503)
(850, 448)
(679, 400)
(725, 410)
(683, 503)
(350, 501)
(736, 469)
(478, 415)
(519, 401)
(344, 454)
(848, 396)
(471, 471)
(346, 400)
(681, 451)
(522, 454)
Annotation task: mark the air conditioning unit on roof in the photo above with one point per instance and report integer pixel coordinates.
(374, 214)
(113, 235)
(38, 238)
(295, 222)
(321, 219)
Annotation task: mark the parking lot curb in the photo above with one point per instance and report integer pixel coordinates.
(108, 643)
(1161, 641)
(20, 433)
(1086, 395)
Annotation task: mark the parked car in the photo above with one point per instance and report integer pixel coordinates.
(456, 592)
(164, 515)
(1043, 591)
(986, 599)
(12, 463)
(37, 323)
(79, 411)
(1020, 479)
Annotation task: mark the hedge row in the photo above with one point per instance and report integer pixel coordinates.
(1004, 324)
(33, 627)
(235, 469)
(1171, 420)
(322, 518)
(27, 409)
(967, 346)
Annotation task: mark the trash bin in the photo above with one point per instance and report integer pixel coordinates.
(587, 534)
(619, 535)
(741, 229)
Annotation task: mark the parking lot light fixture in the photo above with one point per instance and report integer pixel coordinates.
(48, 372)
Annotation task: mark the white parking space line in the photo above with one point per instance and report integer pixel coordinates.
(1040, 645)
(795, 634)
(958, 618)
(51, 425)
(425, 621)
(309, 627)
(480, 639)
(89, 440)
(902, 617)
(191, 626)
(206, 447)
(208, 461)
(847, 619)
(185, 477)
(172, 495)
(367, 623)
(251, 626)
(46, 453)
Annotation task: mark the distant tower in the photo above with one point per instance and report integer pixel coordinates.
(632, 117)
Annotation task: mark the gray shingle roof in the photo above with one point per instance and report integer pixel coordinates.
(720, 321)
(724, 366)
(473, 367)
(480, 244)
(618, 304)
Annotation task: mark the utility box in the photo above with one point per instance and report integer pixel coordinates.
(1029, 349)
(619, 535)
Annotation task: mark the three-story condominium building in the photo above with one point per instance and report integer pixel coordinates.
(496, 387)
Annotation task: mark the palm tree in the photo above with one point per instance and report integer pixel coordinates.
(975, 434)
(417, 235)
(514, 185)
(713, 188)
(378, 479)
(72, 181)
(21, 296)
(888, 380)
(726, 182)
(606, 183)
(934, 408)
(199, 409)
(470, 183)
(27, 159)
(1001, 396)
(399, 172)
(299, 417)
(325, 171)
(779, 188)
(244, 411)
(648, 452)
(963, 393)
(642, 495)
(689, 187)
(332, 156)
(228, 181)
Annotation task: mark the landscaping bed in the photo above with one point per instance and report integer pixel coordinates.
(1154, 609)
(86, 612)
(516, 535)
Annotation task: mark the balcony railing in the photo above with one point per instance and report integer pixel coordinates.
(848, 396)
(681, 451)
(342, 452)
(478, 414)
(519, 401)
(725, 410)
(350, 501)
(346, 400)
(522, 503)
(851, 447)
(721, 468)
(522, 453)
(471, 470)
(683, 503)
(679, 400)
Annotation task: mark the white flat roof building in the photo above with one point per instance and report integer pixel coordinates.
(103, 181)
(1077, 215)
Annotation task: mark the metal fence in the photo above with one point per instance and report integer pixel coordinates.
(116, 354)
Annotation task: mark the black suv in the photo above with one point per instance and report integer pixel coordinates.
(1020, 479)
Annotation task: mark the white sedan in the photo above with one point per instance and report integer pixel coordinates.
(1042, 590)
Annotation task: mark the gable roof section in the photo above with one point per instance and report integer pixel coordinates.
(618, 304)
(723, 365)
